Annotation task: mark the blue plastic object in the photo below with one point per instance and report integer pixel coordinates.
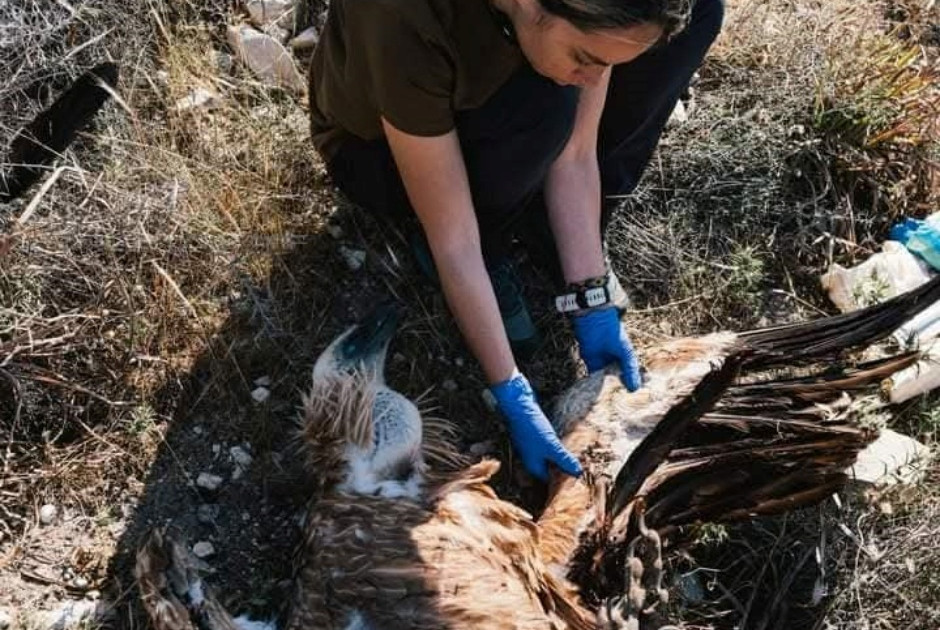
(922, 237)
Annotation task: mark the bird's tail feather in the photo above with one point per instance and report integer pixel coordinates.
(767, 446)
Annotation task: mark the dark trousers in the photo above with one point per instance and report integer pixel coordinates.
(509, 143)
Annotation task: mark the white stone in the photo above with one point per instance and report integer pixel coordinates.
(260, 394)
(80, 582)
(266, 57)
(306, 39)
(203, 549)
(278, 33)
(263, 381)
(240, 456)
(199, 98)
(6, 619)
(679, 114)
(355, 258)
(208, 481)
(892, 458)
(47, 513)
(264, 12)
(72, 614)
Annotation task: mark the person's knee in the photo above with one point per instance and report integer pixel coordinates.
(707, 18)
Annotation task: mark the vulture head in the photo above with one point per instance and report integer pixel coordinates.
(360, 436)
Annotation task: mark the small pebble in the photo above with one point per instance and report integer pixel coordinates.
(223, 61)
(240, 456)
(306, 39)
(207, 513)
(6, 619)
(208, 481)
(80, 582)
(93, 595)
(260, 394)
(355, 258)
(203, 549)
(263, 381)
(47, 514)
(449, 385)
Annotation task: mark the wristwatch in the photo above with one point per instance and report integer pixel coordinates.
(590, 293)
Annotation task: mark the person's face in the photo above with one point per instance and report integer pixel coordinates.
(569, 56)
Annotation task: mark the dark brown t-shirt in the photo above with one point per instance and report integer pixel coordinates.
(415, 62)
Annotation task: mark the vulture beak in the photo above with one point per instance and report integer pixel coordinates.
(361, 348)
(368, 342)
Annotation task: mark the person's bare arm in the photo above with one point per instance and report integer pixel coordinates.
(573, 191)
(435, 178)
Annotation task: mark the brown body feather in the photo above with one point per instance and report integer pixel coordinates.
(464, 560)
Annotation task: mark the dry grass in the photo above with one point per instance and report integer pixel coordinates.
(815, 126)
(181, 255)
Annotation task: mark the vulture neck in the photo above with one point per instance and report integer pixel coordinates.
(574, 505)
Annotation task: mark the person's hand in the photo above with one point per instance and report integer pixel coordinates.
(603, 340)
(530, 431)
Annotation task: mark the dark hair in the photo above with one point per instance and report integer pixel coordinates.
(592, 15)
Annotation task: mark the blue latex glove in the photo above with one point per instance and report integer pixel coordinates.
(530, 431)
(603, 340)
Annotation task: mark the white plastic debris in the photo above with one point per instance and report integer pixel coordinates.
(266, 57)
(306, 39)
(208, 481)
(203, 549)
(892, 458)
(884, 275)
(916, 379)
